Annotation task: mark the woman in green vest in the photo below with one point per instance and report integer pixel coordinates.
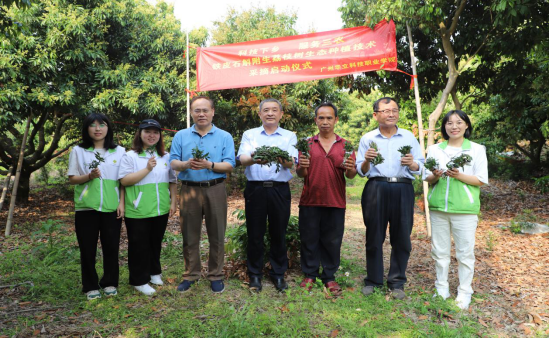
(150, 186)
(99, 204)
(454, 203)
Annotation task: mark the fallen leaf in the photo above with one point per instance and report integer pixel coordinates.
(284, 309)
(171, 280)
(333, 334)
(427, 303)
(525, 329)
(154, 309)
(482, 322)
(40, 316)
(127, 315)
(364, 323)
(423, 317)
(351, 289)
(116, 307)
(96, 321)
(24, 303)
(536, 318)
(43, 330)
(35, 333)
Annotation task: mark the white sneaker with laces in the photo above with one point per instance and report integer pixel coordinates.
(443, 293)
(91, 295)
(110, 291)
(145, 289)
(156, 279)
(463, 301)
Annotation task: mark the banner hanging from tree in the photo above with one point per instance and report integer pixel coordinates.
(297, 58)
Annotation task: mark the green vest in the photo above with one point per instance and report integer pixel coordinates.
(452, 195)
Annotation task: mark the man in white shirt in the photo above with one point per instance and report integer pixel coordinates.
(267, 195)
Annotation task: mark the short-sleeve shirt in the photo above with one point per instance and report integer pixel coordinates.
(257, 137)
(325, 184)
(217, 143)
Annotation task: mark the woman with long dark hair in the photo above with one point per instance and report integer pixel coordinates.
(454, 202)
(99, 204)
(151, 199)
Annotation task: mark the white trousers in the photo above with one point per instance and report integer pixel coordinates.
(463, 228)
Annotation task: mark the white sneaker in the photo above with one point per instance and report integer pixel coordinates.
(145, 289)
(91, 295)
(443, 293)
(156, 279)
(110, 291)
(463, 301)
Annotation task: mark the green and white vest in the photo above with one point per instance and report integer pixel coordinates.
(101, 194)
(449, 194)
(150, 197)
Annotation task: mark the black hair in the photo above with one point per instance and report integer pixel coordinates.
(385, 100)
(462, 116)
(327, 104)
(87, 141)
(271, 100)
(202, 97)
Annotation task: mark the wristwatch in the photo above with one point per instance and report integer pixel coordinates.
(212, 168)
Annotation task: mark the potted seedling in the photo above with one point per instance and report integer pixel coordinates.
(198, 154)
(348, 150)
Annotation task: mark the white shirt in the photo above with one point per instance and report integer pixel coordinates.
(256, 137)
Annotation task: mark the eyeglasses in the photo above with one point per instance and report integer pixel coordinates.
(388, 111)
(458, 124)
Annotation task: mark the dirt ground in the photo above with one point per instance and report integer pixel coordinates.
(512, 271)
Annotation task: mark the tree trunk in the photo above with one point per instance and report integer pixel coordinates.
(23, 188)
(458, 104)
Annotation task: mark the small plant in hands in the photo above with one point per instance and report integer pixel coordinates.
(95, 164)
(151, 149)
(404, 150)
(460, 161)
(271, 154)
(198, 154)
(303, 146)
(348, 150)
(379, 158)
(431, 164)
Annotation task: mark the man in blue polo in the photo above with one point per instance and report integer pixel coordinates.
(388, 196)
(203, 191)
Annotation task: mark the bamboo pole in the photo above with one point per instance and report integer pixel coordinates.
(6, 187)
(420, 129)
(187, 70)
(17, 176)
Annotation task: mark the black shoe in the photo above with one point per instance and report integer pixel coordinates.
(255, 284)
(280, 284)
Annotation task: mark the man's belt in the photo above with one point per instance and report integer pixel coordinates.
(392, 179)
(268, 183)
(203, 183)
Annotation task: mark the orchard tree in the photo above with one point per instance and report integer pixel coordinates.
(461, 46)
(119, 57)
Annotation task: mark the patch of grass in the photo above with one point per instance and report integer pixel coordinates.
(354, 189)
(55, 272)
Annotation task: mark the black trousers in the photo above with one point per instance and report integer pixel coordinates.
(144, 246)
(89, 226)
(384, 203)
(321, 232)
(267, 205)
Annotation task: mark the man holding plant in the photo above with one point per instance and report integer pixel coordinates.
(203, 154)
(323, 163)
(267, 194)
(388, 196)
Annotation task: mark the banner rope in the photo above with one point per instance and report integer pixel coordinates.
(125, 123)
(413, 76)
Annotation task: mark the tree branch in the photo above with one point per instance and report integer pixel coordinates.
(459, 11)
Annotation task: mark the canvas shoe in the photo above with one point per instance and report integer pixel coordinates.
(91, 295)
(443, 293)
(185, 285)
(110, 291)
(145, 289)
(217, 286)
(463, 301)
(398, 294)
(156, 279)
(367, 290)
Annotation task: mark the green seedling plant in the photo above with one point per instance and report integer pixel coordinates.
(198, 154)
(431, 164)
(404, 150)
(95, 164)
(303, 146)
(151, 149)
(271, 154)
(348, 150)
(379, 158)
(459, 161)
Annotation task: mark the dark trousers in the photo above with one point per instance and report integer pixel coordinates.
(267, 205)
(321, 232)
(384, 203)
(89, 226)
(144, 245)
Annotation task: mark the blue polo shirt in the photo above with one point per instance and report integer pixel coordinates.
(218, 143)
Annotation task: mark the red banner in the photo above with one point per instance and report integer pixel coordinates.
(297, 58)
